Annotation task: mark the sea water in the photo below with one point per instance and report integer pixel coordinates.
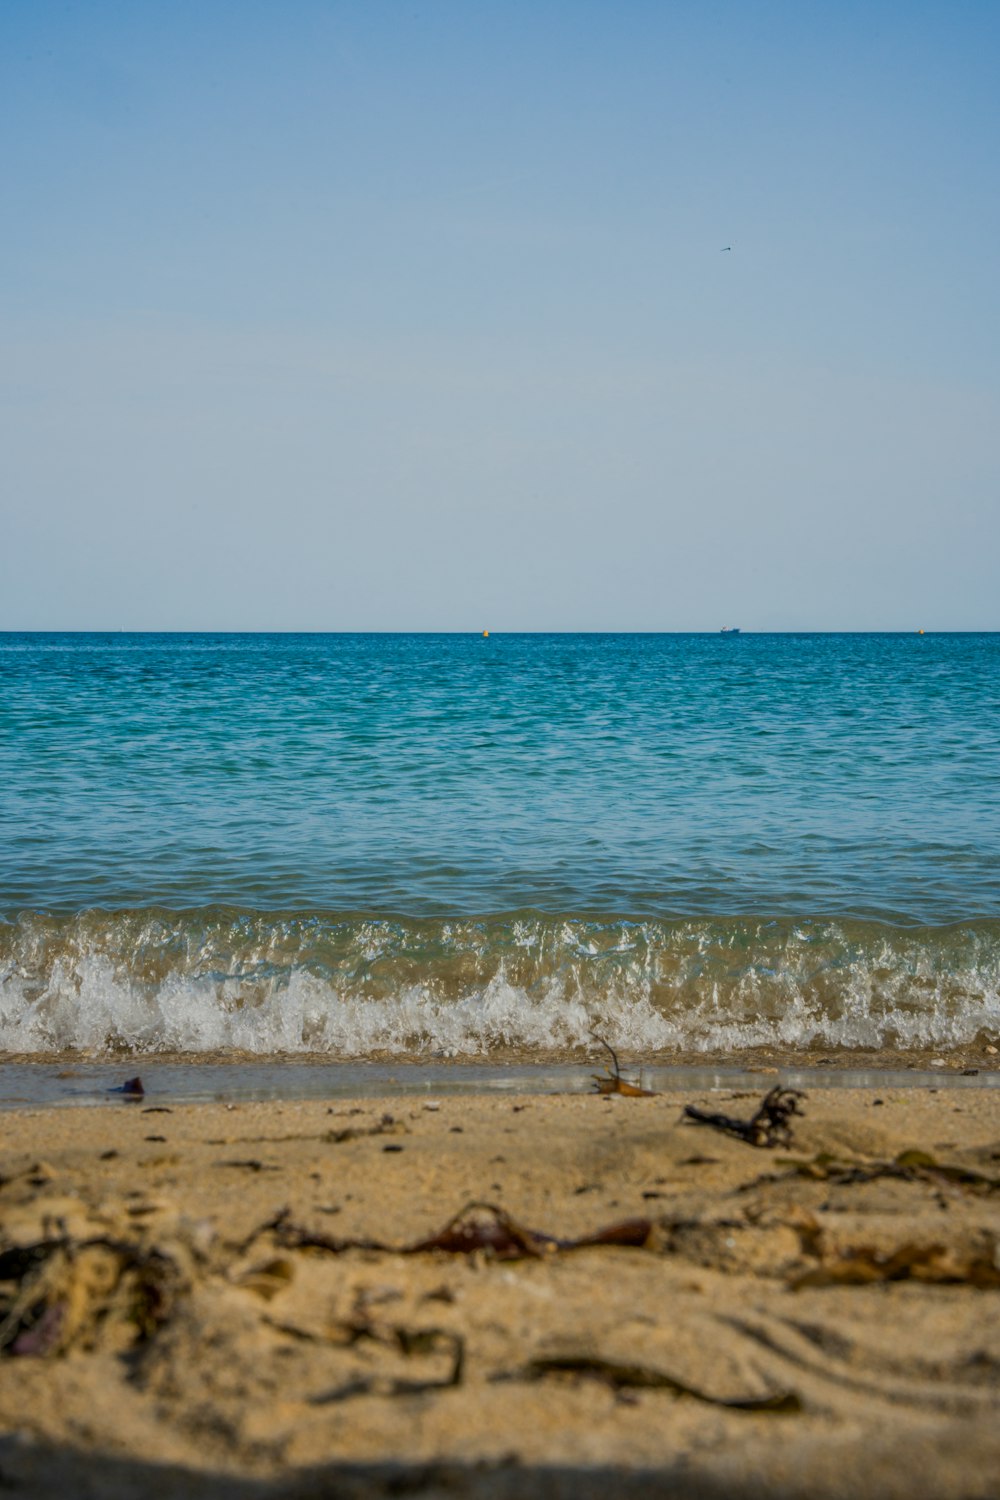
(481, 846)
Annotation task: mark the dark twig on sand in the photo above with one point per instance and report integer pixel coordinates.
(769, 1126)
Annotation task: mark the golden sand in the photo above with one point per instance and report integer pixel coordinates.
(259, 1299)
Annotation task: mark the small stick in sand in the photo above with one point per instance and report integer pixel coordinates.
(613, 1083)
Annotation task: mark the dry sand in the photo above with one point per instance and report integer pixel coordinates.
(212, 1300)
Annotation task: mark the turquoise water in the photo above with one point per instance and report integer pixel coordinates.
(358, 844)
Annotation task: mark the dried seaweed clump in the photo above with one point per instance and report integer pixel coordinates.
(58, 1294)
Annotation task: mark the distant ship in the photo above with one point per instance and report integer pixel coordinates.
(730, 630)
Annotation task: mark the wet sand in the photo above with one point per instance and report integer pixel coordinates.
(29, 1080)
(246, 1298)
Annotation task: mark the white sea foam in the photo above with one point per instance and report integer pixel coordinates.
(678, 989)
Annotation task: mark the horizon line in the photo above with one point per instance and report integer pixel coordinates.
(479, 632)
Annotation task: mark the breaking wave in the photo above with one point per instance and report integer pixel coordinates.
(351, 986)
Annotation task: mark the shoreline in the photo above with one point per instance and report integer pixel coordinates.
(68, 1079)
(261, 1298)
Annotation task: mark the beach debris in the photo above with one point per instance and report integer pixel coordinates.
(909, 1166)
(628, 1375)
(769, 1126)
(975, 1265)
(131, 1089)
(484, 1226)
(67, 1293)
(288, 1235)
(249, 1164)
(387, 1125)
(410, 1343)
(477, 1227)
(613, 1083)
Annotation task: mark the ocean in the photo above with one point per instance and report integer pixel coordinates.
(490, 847)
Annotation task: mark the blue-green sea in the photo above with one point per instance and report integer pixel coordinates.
(461, 845)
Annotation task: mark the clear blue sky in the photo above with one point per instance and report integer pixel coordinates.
(337, 315)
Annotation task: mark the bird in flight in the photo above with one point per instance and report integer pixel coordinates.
(724, 249)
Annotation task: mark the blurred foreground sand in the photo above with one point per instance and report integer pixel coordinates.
(213, 1300)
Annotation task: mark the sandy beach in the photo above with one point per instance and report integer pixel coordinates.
(287, 1299)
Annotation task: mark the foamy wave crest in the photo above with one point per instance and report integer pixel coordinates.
(350, 986)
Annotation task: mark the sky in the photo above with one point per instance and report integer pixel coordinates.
(364, 315)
